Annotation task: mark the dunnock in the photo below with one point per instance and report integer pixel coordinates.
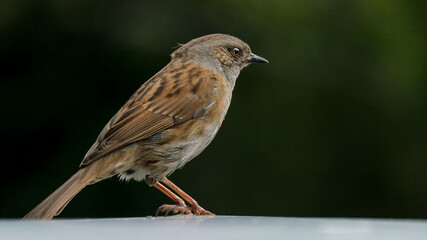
(167, 122)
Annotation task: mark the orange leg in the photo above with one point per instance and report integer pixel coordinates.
(192, 204)
(170, 194)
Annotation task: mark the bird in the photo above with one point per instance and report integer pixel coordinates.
(166, 123)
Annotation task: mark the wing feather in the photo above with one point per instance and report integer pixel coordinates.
(159, 104)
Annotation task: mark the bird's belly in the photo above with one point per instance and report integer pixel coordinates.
(168, 151)
(190, 144)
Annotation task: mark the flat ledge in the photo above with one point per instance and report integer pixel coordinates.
(216, 227)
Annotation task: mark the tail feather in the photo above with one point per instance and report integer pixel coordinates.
(56, 202)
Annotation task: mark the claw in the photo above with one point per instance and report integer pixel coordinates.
(206, 212)
(168, 211)
(159, 209)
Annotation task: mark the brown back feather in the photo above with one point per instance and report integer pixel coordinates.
(154, 107)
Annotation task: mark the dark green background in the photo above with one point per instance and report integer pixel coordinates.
(334, 126)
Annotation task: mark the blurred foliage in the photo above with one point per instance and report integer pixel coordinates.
(334, 126)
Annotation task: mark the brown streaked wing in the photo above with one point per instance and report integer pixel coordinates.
(159, 104)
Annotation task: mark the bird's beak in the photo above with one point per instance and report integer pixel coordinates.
(256, 59)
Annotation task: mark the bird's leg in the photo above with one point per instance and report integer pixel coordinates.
(192, 204)
(179, 203)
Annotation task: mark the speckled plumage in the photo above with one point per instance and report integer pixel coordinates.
(167, 122)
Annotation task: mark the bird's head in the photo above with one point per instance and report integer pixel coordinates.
(219, 52)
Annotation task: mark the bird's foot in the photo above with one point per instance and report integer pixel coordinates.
(167, 208)
(183, 209)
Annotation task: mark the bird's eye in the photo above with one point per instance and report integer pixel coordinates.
(235, 51)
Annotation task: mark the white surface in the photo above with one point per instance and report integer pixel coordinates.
(218, 227)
